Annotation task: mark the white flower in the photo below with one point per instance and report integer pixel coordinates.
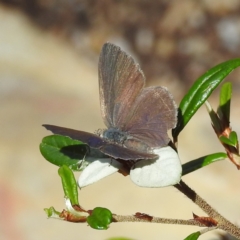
(73, 211)
(97, 170)
(163, 172)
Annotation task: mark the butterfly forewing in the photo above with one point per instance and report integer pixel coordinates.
(91, 139)
(119, 152)
(94, 141)
(120, 82)
(153, 113)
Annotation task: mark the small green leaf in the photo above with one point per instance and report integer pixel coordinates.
(234, 138)
(193, 236)
(200, 91)
(224, 102)
(61, 150)
(227, 141)
(69, 184)
(51, 212)
(100, 218)
(202, 162)
(214, 118)
(119, 238)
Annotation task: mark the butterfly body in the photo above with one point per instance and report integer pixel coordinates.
(114, 135)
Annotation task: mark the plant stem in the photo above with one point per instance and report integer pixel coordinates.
(223, 223)
(131, 218)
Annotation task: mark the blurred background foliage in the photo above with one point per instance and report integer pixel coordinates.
(174, 40)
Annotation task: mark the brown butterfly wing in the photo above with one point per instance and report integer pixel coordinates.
(153, 114)
(92, 140)
(118, 152)
(113, 150)
(120, 82)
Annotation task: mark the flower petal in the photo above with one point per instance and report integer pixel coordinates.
(73, 211)
(97, 170)
(163, 172)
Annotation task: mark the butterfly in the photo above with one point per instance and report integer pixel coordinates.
(137, 117)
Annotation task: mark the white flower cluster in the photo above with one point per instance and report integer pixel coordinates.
(163, 172)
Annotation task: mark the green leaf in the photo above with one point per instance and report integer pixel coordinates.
(119, 238)
(51, 212)
(227, 141)
(217, 125)
(193, 236)
(225, 101)
(202, 162)
(200, 91)
(234, 138)
(100, 218)
(69, 184)
(62, 150)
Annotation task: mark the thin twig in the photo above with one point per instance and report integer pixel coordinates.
(131, 218)
(202, 231)
(223, 223)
